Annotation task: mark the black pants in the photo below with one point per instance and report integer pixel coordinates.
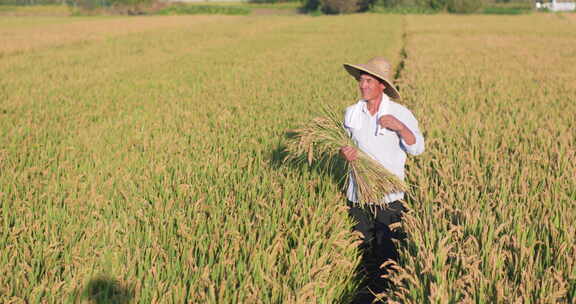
(377, 246)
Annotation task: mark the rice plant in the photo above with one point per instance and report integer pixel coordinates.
(140, 158)
(323, 137)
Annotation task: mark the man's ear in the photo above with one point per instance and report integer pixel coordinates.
(383, 85)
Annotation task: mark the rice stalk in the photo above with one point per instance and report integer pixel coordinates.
(323, 137)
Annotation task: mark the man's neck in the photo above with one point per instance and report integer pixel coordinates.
(373, 105)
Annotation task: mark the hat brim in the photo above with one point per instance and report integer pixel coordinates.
(356, 70)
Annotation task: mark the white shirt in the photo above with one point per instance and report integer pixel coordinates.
(383, 145)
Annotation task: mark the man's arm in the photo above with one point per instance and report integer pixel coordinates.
(407, 129)
(390, 122)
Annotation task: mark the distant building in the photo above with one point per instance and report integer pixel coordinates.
(557, 5)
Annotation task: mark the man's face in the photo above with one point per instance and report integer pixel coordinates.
(370, 87)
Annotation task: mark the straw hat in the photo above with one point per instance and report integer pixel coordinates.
(377, 67)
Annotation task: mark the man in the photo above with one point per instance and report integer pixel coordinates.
(386, 131)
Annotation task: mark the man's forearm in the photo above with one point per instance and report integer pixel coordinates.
(407, 136)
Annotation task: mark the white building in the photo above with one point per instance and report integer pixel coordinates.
(557, 5)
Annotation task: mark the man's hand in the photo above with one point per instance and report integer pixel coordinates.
(349, 153)
(392, 123)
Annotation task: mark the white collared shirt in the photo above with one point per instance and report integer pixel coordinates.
(383, 145)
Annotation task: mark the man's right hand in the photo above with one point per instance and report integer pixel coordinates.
(349, 153)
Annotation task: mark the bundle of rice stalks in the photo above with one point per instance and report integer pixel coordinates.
(323, 137)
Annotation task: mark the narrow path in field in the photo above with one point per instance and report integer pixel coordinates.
(403, 56)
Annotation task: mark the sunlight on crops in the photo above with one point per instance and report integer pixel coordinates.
(141, 159)
(154, 159)
(494, 198)
(23, 34)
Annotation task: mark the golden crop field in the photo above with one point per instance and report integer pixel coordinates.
(497, 186)
(141, 158)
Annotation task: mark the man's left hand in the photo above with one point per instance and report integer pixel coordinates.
(391, 123)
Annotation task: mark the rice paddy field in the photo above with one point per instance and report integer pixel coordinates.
(141, 158)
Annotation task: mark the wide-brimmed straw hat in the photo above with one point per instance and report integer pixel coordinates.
(377, 67)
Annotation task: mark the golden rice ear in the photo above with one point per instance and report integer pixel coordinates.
(394, 226)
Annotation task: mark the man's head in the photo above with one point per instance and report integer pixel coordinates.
(377, 68)
(371, 88)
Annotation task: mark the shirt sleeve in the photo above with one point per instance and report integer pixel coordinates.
(410, 121)
(347, 118)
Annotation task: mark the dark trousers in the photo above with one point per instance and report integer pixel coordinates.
(377, 246)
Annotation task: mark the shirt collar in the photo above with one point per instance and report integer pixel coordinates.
(382, 109)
